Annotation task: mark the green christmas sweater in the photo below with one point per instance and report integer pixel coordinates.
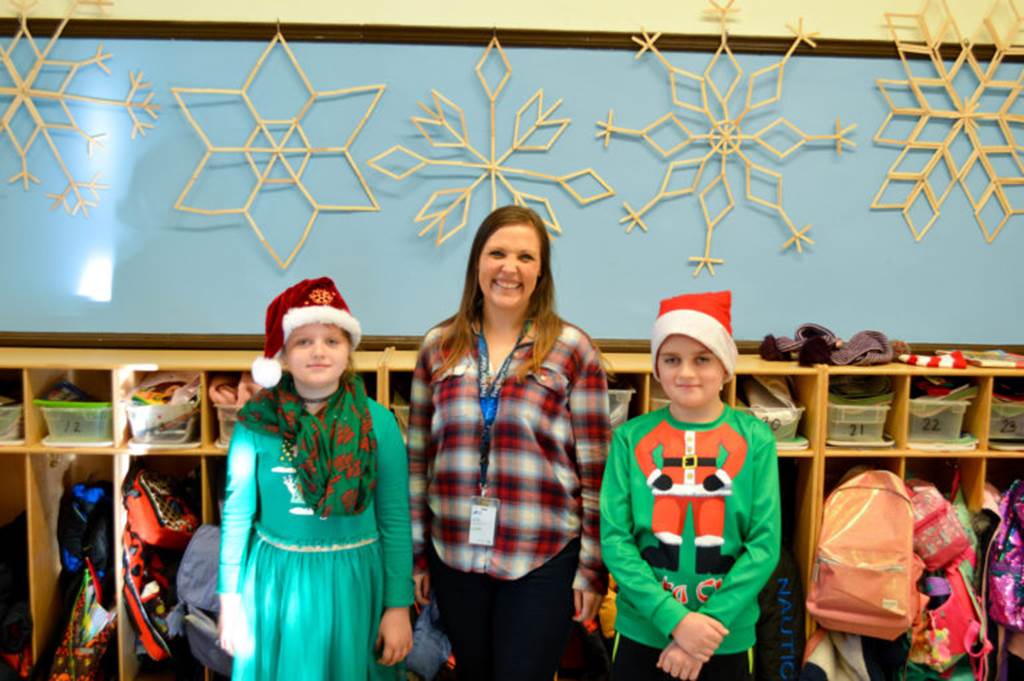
(690, 521)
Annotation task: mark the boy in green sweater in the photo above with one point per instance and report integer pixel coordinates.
(690, 521)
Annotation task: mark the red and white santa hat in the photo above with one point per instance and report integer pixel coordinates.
(311, 301)
(705, 317)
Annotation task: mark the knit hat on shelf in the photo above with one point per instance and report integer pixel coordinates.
(705, 317)
(311, 301)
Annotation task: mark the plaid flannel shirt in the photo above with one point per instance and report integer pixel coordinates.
(548, 447)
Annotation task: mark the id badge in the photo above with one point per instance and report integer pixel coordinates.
(483, 521)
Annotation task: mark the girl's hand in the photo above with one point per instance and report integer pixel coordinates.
(699, 635)
(394, 637)
(232, 631)
(421, 582)
(678, 663)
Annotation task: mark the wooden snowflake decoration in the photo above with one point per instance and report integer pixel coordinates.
(943, 104)
(277, 152)
(444, 127)
(26, 94)
(724, 134)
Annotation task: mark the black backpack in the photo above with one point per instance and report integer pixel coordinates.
(779, 652)
(84, 531)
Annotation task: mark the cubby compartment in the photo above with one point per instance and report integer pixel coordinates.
(839, 467)
(188, 473)
(48, 477)
(627, 394)
(62, 422)
(15, 555)
(155, 421)
(12, 409)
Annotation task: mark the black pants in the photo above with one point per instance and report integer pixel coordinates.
(636, 662)
(512, 630)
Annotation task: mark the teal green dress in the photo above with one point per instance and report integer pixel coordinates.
(313, 589)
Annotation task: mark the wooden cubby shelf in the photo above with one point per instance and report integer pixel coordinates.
(33, 476)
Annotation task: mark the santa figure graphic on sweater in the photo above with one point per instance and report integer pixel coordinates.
(690, 480)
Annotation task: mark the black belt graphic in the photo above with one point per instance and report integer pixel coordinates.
(689, 461)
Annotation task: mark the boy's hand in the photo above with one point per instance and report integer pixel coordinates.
(699, 635)
(678, 663)
(662, 482)
(394, 637)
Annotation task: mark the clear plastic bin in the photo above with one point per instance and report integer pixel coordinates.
(936, 420)
(81, 424)
(618, 405)
(10, 422)
(856, 423)
(1007, 422)
(163, 424)
(402, 417)
(782, 420)
(226, 418)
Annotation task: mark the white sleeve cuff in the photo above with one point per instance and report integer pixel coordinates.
(723, 476)
(655, 474)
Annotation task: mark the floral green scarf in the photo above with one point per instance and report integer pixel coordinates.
(335, 451)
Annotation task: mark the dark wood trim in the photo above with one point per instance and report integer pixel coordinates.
(187, 341)
(447, 35)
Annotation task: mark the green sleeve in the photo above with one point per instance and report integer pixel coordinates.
(239, 509)
(636, 581)
(761, 544)
(392, 506)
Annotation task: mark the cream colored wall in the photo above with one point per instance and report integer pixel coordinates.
(853, 19)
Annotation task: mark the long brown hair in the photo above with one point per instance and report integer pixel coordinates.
(457, 331)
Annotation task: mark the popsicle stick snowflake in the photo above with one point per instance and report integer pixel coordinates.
(443, 126)
(24, 94)
(724, 131)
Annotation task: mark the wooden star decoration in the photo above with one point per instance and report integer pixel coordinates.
(281, 145)
(26, 95)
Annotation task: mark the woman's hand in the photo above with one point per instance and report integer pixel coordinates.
(232, 631)
(699, 635)
(394, 638)
(587, 604)
(421, 582)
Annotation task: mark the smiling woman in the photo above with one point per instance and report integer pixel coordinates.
(508, 433)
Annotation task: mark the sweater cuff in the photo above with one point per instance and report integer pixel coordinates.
(667, 615)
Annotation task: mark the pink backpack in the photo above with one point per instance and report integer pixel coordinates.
(865, 572)
(955, 627)
(939, 537)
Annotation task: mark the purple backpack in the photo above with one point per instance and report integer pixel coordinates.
(1006, 561)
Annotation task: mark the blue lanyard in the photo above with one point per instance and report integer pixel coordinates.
(489, 397)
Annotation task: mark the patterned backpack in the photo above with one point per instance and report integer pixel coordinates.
(939, 536)
(89, 632)
(1006, 561)
(157, 511)
(159, 519)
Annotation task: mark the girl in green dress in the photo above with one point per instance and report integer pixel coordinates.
(316, 553)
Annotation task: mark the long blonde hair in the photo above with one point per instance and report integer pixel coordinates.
(457, 335)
